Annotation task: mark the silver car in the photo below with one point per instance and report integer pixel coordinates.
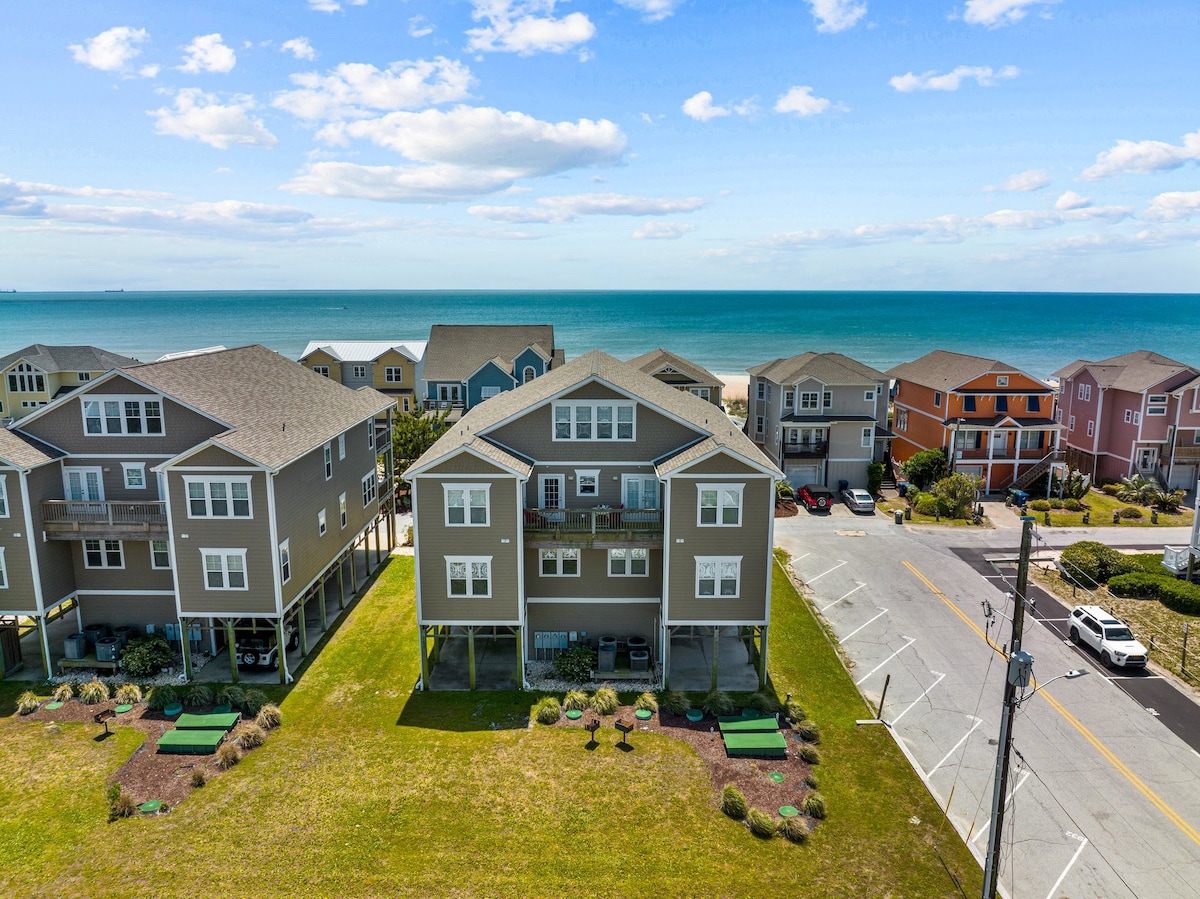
(858, 500)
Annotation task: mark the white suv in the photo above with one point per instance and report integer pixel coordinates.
(1108, 635)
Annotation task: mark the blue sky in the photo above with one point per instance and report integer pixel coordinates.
(977, 145)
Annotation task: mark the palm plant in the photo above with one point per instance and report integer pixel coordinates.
(1137, 489)
(1168, 502)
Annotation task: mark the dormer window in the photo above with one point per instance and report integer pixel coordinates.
(122, 415)
(594, 421)
(528, 374)
(26, 379)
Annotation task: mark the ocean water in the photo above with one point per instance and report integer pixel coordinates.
(724, 331)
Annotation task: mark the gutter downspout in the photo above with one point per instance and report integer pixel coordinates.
(285, 676)
(35, 569)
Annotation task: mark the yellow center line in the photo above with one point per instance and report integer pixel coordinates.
(1108, 754)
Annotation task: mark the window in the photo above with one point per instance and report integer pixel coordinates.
(809, 399)
(121, 415)
(103, 554)
(1002, 404)
(1001, 380)
(937, 399)
(219, 498)
(967, 439)
(1196, 437)
(868, 396)
(360, 371)
(827, 399)
(720, 505)
(1137, 418)
(559, 562)
(762, 390)
(322, 370)
(758, 424)
(969, 403)
(868, 436)
(1058, 415)
(341, 447)
(224, 569)
(135, 475)
(528, 374)
(1091, 428)
(32, 404)
(160, 554)
(1033, 404)
(3, 498)
(1085, 392)
(82, 484)
(321, 526)
(342, 508)
(24, 379)
(901, 419)
(628, 562)
(587, 483)
(1031, 439)
(1071, 423)
(84, 376)
(469, 576)
(466, 504)
(702, 392)
(789, 399)
(1128, 416)
(1157, 410)
(405, 404)
(328, 452)
(393, 374)
(718, 576)
(3, 571)
(368, 489)
(593, 421)
(486, 393)
(285, 561)
(640, 491)
(371, 435)
(1157, 398)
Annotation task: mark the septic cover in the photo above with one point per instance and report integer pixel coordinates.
(788, 811)
(776, 776)
(51, 706)
(151, 805)
(574, 714)
(124, 707)
(643, 714)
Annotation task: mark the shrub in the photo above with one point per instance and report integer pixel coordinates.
(547, 710)
(231, 696)
(925, 468)
(146, 656)
(647, 701)
(128, 694)
(733, 803)
(121, 805)
(814, 805)
(1072, 505)
(1151, 563)
(249, 735)
(810, 754)
(1180, 596)
(927, 504)
(874, 477)
(1130, 512)
(27, 703)
(1090, 563)
(269, 717)
(253, 701)
(199, 778)
(1056, 504)
(795, 711)
(575, 665)
(956, 494)
(161, 696)
(808, 731)
(784, 490)
(767, 703)
(1137, 489)
(93, 692)
(718, 703)
(605, 701)
(1165, 501)
(675, 702)
(810, 781)
(1040, 505)
(1138, 584)
(761, 823)
(63, 692)
(794, 829)
(576, 701)
(1111, 489)
(228, 755)
(198, 695)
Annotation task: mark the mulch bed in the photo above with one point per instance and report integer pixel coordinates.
(786, 508)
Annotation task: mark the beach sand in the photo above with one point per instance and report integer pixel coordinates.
(736, 386)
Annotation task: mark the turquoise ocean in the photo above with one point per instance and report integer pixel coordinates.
(725, 331)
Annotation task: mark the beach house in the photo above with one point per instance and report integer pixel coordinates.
(1136, 413)
(33, 376)
(593, 505)
(680, 374)
(993, 420)
(821, 417)
(393, 367)
(203, 497)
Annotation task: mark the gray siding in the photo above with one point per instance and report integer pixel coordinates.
(19, 596)
(853, 472)
(113, 478)
(117, 610)
(136, 575)
(55, 563)
(465, 463)
(609, 484)
(593, 581)
(722, 466)
(621, 621)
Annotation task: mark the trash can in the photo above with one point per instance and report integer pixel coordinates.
(843, 485)
(902, 487)
(899, 516)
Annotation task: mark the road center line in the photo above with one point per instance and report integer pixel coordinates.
(1171, 815)
(1007, 802)
(918, 699)
(978, 721)
(840, 598)
(823, 573)
(1054, 889)
(910, 642)
(859, 628)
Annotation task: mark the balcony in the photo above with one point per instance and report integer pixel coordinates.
(1189, 453)
(816, 449)
(85, 520)
(600, 528)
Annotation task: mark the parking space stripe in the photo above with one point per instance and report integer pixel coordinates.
(946, 757)
(823, 573)
(840, 598)
(1007, 802)
(918, 699)
(860, 627)
(1054, 889)
(910, 642)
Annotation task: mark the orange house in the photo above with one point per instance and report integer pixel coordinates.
(993, 420)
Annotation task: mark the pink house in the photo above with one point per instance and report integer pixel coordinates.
(1137, 413)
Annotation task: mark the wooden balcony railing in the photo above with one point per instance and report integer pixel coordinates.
(80, 519)
(594, 521)
(811, 448)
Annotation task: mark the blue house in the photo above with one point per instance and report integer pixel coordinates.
(467, 364)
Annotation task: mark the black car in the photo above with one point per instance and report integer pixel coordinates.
(816, 497)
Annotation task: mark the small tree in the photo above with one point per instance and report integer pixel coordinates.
(1076, 484)
(1137, 489)
(874, 478)
(925, 468)
(956, 493)
(414, 432)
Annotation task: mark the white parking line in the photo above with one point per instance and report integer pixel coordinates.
(840, 598)
(918, 699)
(1083, 842)
(823, 573)
(1020, 783)
(911, 641)
(859, 628)
(978, 721)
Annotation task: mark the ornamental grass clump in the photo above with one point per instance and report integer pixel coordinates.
(27, 703)
(810, 781)
(198, 695)
(199, 778)
(231, 696)
(547, 710)
(810, 754)
(227, 755)
(675, 702)
(249, 736)
(253, 700)
(808, 731)
(121, 804)
(795, 711)
(605, 701)
(161, 696)
(764, 702)
(576, 701)
(718, 703)
(814, 805)
(761, 823)
(93, 692)
(647, 701)
(63, 693)
(128, 694)
(269, 717)
(733, 803)
(794, 829)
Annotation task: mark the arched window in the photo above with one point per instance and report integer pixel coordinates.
(528, 375)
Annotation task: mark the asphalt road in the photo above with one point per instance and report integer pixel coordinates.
(1104, 797)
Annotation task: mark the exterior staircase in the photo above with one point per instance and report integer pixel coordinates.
(1039, 469)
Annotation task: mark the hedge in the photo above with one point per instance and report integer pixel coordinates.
(1179, 596)
(1090, 563)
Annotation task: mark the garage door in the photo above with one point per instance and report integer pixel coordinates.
(800, 474)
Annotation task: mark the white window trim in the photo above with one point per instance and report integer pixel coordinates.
(703, 392)
(580, 475)
(104, 554)
(1128, 416)
(759, 422)
(228, 481)
(762, 390)
(721, 490)
(140, 468)
(718, 561)
(1091, 429)
(342, 508)
(466, 490)
(390, 374)
(469, 560)
(528, 374)
(1001, 380)
(868, 437)
(153, 563)
(1137, 418)
(868, 396)
(140, 399)
(224, 555)
(285, 561)
(1071, 423)
(937, 399)
(594, 405)
(789, 399)
(3, 497)
(1156, 410)
(322, 370)
(327, 460)
(544, 555)
(3, 571)
(808, 399)
(359, 371)
(341, 447)
(83, 376)
(489, 391)
(322, 523)
(626, 558)
(83, 470)
(369, 489)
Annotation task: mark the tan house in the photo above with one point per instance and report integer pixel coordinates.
(200, 497)
(681, 374)
(31, 377)
(393, 367)
(593, 505)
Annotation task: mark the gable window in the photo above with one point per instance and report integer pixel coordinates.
(327, 451)
(135, 475)
(341, 447)
(360, 371)
(3, 571)
(702, 392)
(762, 390)
(285, 561)
(342, 508)
(1156, 398)
(466, 504)
(1002, 404)
(1001, 380)
(84, 376)
(868, 436)
(321, 526)
(393, 374)
(720, 505)
(937, 399)
(1128, 416)
(121, 415)
(1033, 404)
(1085, 392)
(868, 396)
(224, 569)
(160, 554)
(3, 497)
(219, 497)
(322, 370)
(969, 403)
(718, 576)
(628, 562)
(528, 374)
(1156, 410)
(103, 554)
(809, 399)
(587, 483)
(594, 421)
(1091, 428)
(368, 489)
(25, 379)
(559, 562)
(789, 399)
(486, 393)
(469, 576)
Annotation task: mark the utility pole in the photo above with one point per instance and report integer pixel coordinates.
(1020, 665)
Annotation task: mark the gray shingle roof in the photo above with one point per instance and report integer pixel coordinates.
(1135, 372)
(708, 421)
(456, 351)
(828, 368)
(22, 451)
(67, 358)
(276, 409)
(658, 359)
(944, 370)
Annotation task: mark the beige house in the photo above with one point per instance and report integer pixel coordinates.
(31, 377)
(681, 374)
(393, 367)
(200, 497)
(593, 505)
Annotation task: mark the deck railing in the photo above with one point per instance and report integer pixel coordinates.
(594, 521)
(108, 514)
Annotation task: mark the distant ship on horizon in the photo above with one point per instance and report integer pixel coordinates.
(115, 290)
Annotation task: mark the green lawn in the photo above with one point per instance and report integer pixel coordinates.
(371, 790)
(1102, 506)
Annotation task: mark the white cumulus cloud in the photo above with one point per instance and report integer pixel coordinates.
(700, 107)
(1144, 157)
(662, 231)
(199, 116)
(207, 53)
(356, 90)
(332, 6)
(995, 13)
(112, 50)
(1072, 200)
(1022, 182)
(299, 47)
(570, 208)
(526, 27)
(837, 15)
(800, 101)
(985, 76)
(1174, 205)
(419, 27)
(652, 10)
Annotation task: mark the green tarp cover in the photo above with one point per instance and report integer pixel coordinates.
(772, 746)
(748, 725)
(191, 742)
(207, 722)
